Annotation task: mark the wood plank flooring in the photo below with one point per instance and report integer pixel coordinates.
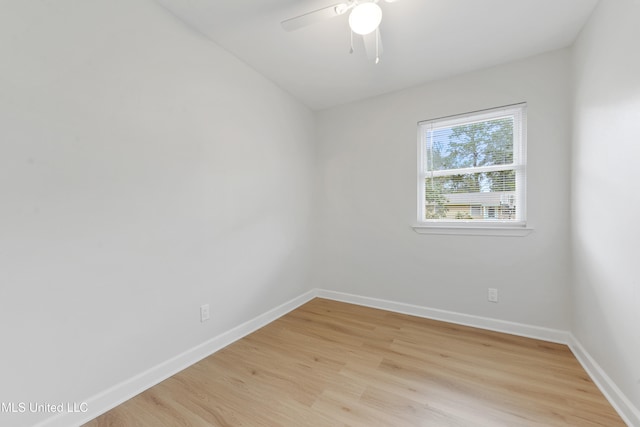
(334, 364)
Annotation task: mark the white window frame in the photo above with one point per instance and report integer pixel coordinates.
(517, 227)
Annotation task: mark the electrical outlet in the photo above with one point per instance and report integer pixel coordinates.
(204, 312)
(492, 295)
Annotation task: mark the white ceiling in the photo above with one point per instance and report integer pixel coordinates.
(423, 40)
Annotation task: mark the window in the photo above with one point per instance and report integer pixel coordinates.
(472, 170)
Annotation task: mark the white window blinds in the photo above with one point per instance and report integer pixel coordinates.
(472, 168)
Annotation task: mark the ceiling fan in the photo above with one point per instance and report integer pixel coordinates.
(364, 19)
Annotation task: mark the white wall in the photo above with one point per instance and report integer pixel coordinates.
(605, 196)
(144, 171)
(367, 199)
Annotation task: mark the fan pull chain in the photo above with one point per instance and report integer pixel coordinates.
(351, 48)
(377, 46)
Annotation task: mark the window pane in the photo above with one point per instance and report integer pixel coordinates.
(472, 167)
(484, 143)
(476, 196)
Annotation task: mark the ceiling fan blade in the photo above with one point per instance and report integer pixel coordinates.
(370, 41)
(314, 17)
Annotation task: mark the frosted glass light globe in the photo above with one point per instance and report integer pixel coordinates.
(365, 18)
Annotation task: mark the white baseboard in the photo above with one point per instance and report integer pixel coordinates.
(537, 332)
(119, 393)
(112, 397)
(627, 410)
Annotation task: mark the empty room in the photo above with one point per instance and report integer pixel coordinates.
(319, 213)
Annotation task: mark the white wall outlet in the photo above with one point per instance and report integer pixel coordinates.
(492, 295)
(204, 312)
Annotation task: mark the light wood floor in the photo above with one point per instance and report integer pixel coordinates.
(333, 364)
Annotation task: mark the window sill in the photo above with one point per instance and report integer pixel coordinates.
(473, 230)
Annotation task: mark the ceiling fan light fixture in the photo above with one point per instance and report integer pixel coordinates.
(365, 18)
